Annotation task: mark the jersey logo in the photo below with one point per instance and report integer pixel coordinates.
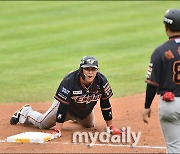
(110, 114)
(91, 61)
(64, 90)
(86, 98)
(59, 116)
(77, 92)
(169, 54)
(169, 21)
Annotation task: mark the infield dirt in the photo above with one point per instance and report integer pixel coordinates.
(126, 112)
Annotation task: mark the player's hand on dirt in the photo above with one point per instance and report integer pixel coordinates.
(56, 133)
(146, 114)
(112, 130)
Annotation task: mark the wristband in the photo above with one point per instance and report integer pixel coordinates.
(61, 113)
(107, 114)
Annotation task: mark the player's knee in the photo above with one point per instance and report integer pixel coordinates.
(89, 125)
(42, 126)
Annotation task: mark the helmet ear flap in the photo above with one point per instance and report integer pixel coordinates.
(81, 73)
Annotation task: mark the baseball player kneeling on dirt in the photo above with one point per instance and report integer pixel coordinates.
(75, 99)
(163, 78)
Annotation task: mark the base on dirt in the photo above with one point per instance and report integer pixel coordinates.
(31, 137)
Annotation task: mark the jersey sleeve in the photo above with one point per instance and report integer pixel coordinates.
(104, 101)
(153, 73)
(63, 93)
(106, 88)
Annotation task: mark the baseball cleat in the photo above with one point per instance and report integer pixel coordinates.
(15, 118)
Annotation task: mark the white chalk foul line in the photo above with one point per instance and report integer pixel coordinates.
(121, 145)
(114, 145)
(111, 145)
(2, 141)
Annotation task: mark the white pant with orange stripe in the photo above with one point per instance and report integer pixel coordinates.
(48, 119)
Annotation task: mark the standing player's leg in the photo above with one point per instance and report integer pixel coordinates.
(169, 114)
(172, 136)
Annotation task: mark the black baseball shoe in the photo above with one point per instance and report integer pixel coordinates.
(15, 118)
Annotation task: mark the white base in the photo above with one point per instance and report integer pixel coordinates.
(31, 137)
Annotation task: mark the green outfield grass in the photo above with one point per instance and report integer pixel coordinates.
(40, 42)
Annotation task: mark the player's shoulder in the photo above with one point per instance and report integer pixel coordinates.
(160, 49)
(101, 77)
(71, 76)
(165, 45)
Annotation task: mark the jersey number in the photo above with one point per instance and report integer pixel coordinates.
(176, 70)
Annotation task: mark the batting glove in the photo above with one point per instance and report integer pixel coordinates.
(56, 133)
(168, 97)
(112, 130)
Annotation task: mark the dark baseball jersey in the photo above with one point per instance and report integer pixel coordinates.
(164, 67)
(81, 101)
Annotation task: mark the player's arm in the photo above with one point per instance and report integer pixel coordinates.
(152, 80)
(106, 111)
(60, 118)
(61, 115)
(105, 103)
(107, 115)
(150, 94)
(106, 106)
(62, 95)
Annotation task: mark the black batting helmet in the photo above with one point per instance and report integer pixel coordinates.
(172, 19)
(89, 61)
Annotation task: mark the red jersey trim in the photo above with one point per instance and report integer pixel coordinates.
(60, 100)
(107, 96)
(107, 87)
(152, 83)
(106, 108)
